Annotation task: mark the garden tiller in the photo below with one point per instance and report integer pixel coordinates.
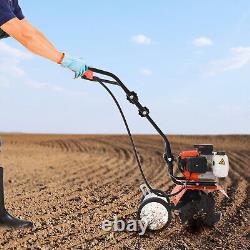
(200, 168)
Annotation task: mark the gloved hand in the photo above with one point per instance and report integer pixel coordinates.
(77, 65)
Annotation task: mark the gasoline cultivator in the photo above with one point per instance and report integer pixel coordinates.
(200, 169)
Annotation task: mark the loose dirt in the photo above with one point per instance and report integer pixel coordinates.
(68, 184)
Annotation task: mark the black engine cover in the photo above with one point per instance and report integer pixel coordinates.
(204, 149)
(197, 164)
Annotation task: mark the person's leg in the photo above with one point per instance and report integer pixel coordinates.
(5, 218)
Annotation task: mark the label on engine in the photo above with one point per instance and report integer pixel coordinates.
(222, 162)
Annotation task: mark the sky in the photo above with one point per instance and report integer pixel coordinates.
(189, 62)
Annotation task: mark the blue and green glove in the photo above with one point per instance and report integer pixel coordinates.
(77, 65)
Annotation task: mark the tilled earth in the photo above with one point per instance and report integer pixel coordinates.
(68, 184)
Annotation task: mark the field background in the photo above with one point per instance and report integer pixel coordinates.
(68, 184)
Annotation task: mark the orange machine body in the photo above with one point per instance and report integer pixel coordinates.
(184, 155)
(177, 188)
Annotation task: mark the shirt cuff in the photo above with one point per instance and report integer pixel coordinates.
(19, 15)
(6, 18)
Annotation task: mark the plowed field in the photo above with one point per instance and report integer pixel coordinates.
(68, 184)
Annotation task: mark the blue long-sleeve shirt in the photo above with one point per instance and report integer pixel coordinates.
(9, 9)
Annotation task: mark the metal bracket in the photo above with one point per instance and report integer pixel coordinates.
(132, 97)
(144, 112)
(145, 190)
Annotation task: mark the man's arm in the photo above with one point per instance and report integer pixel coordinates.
(36, 42)
(32, 39)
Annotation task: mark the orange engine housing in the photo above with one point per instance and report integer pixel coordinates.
(183, 156)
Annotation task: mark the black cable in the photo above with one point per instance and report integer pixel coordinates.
(129, 133)
(133, 144)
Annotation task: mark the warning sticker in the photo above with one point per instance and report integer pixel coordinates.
(222, 162)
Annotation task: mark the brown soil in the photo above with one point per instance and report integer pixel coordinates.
(68, 184)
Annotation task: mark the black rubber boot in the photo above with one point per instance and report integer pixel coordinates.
(6, 219)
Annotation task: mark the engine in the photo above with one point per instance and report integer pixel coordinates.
(203, 164)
